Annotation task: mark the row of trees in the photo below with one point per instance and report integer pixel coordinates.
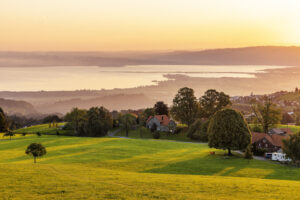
(93, 122)
(186, 108)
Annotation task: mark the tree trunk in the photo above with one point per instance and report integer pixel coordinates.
(229, 152)
(126, 132)
(34, 158)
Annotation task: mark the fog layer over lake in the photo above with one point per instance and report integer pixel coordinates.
(93, 77)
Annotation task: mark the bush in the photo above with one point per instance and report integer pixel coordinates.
(198, 131)
(179, 130)
(156, 135)
(257, 129)
(259, 152)
(38, 134)
(292, 148)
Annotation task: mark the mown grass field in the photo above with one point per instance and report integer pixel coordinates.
(146, 134)
(116, 168)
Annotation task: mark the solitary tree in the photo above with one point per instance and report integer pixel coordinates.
(213, 101)
(161, 108)
(8, 133)
(266, 113)
(228, 130)
(36, 150)
(127, 121)
(185, 106)
(291, 148)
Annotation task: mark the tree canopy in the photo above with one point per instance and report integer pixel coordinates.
(266, 113)
(213, 101)
(99, 122)
(228, 130)
(76, 119)
(198, 130)
(161, 108)
(36, 150)
(185, 106)
(291, 147)
(94, 122)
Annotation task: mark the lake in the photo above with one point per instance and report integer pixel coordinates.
(93, 77)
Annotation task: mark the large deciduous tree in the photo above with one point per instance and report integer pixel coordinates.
(185, 106)
(36, 150)
(291, 148)
(266, 113)
(228, 130)
(161, 108)
(213, 101)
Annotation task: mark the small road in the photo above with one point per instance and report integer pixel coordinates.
(113, 133)
(254, 157)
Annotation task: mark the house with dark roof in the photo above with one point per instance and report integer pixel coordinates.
(272, 141)
(161, 123)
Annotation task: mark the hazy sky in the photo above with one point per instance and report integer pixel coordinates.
(146, 24)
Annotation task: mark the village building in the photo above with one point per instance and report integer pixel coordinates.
(271, 142)
(161, 122)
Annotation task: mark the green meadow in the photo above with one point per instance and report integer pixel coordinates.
(117, 168)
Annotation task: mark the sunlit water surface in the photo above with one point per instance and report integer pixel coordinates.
(93, 77)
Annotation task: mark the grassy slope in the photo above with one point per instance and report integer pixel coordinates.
(112, 168)
(44, 129)
(147, 134)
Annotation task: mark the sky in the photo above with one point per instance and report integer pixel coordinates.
(117, 25)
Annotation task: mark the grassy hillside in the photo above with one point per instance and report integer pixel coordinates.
(114, 168)
(44, 129)
(146, 134)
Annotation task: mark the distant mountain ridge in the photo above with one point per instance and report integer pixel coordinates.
(12, 107)
(111, 102)
(260, 55)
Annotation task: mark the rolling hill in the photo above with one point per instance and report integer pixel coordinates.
(115, 168)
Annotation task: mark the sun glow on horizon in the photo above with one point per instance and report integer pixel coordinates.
(147, 25)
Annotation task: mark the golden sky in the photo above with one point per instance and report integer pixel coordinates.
(83, 25)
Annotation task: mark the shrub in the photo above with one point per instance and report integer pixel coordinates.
(257, 129)
(156, 135)
(292, 148)
(38, 134)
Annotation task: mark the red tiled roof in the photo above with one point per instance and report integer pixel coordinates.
(274, 139)
(163, 119)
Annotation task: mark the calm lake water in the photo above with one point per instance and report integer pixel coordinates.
(89, 77)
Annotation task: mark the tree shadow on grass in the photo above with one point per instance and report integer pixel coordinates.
(234, 166)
